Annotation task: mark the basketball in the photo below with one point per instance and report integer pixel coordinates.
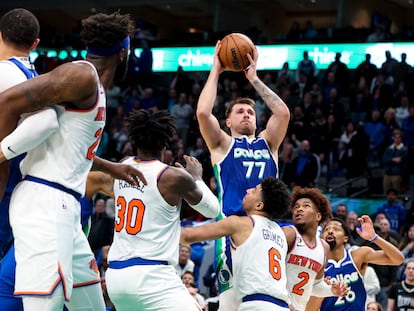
(234, 50)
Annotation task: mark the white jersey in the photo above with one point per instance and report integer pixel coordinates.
(146, 226)
(259, 263)
(9, 76)
(66, 156)
(303, 264)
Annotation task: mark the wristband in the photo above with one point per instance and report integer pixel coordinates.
(374, 238)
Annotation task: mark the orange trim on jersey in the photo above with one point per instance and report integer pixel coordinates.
(52, 288)
(87, 283)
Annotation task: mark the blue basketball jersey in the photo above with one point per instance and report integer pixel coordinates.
(245, 165)
(345, 270)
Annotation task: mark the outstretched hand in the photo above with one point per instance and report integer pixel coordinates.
(367, 230)
(216, 61)
(250, 71)
(130, 174)
(193, 166)
(339, 289)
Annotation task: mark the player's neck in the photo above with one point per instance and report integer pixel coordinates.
(147, 156)
(7, 52)
(337, 253)
(238, 135)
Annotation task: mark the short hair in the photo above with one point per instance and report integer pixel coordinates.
(240, 100)
(150, 131)
(347, 232)
(103, 30)
(316, 196)
(276, 197)
(19, 28)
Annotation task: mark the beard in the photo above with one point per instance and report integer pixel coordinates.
(332, 244)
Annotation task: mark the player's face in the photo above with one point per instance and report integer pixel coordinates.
(242, 119)
(252, 197)
(305, 212)
(334, 234)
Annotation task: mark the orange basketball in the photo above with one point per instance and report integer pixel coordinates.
(234, 50)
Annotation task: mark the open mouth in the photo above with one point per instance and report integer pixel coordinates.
(298, 216)
(330, 238)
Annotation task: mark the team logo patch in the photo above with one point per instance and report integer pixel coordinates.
(224, 276)
(93, 266)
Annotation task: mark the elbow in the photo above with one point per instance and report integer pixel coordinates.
(202, 113)
(286, 113)
(212, 212)
(398, 260)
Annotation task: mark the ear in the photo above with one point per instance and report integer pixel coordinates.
(346, 239)
(318, 216)
(228, 123)
(259, 206)
(35, 44)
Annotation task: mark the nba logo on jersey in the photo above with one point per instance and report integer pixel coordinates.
(224, 276)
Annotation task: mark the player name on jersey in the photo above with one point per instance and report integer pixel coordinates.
(272, 236)
(123, 184)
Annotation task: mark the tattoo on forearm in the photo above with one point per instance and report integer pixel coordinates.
(268, 95)
(31, 100)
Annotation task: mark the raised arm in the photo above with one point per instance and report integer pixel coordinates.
(387, 255)
(210, 129)
(278, 122)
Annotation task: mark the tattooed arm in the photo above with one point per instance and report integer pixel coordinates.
(279, 120)
(69, 83)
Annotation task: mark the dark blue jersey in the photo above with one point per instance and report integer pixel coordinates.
(345, 270)
(245, 165)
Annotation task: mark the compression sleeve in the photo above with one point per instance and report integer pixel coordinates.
(321, 289)
(208, 206)
(31, 132)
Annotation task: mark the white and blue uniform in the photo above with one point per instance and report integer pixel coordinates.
(303, 264)
(246, 164)
(145, 247)
(345, 270)
(50, 246)
(260, 268)
(17, 70)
